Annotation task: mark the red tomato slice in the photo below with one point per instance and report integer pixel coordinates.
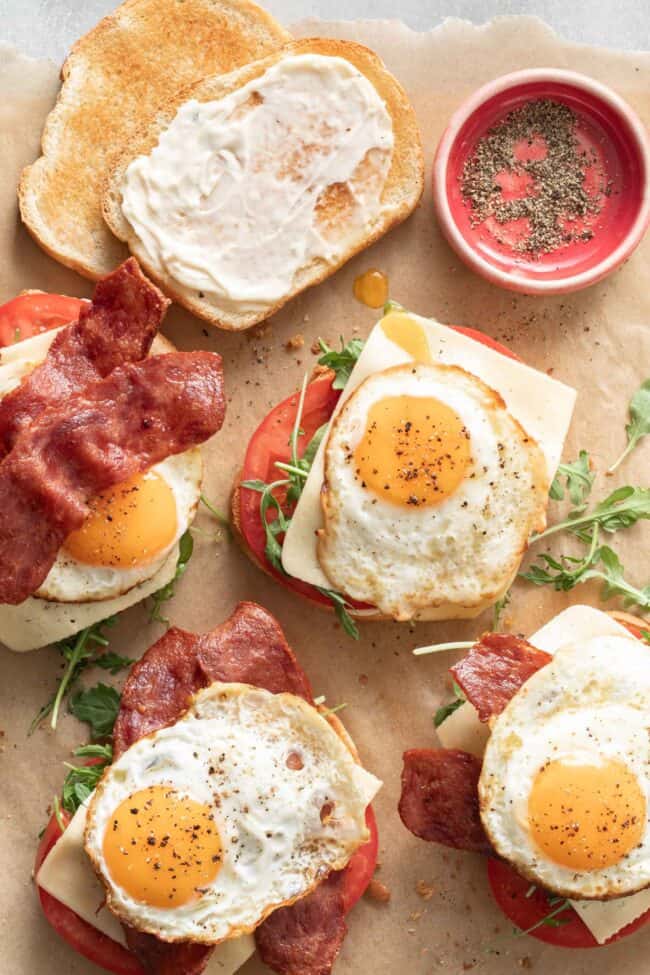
(360, 869)
(510, 892)
(32, 314)
(81, 936)
(270, 443)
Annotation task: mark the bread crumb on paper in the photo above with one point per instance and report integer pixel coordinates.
(377, 891)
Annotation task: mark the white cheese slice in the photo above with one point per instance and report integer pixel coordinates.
(464, 730)
(36, 622)
(542, 405)
(67, 875)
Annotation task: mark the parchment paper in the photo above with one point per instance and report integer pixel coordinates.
(598, 341)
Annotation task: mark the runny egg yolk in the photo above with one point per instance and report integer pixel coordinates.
(586, 817)
(162, 848)
(128, 525)
(415, 450)
(404, 331)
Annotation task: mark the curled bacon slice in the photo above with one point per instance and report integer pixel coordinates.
(439, 800)
(117, 327)
(306, 937)
(249, 648)
(115, 428)
(492, 672)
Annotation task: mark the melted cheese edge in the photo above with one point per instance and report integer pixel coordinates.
(542, 405)
(464, 730)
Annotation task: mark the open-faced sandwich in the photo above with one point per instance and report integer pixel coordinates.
(405, 482)
(545, 770)
(247, 188)
(235, 815)
(100, 467)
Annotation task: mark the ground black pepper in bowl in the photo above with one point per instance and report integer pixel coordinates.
(557, 204)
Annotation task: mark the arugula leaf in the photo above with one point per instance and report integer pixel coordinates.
(274, 527)
(163, 595)
(614, 583)
(81, 780)
(341, 609)
(639, 425)
(554, 919)
(601, 562)
(499, 607)
(342, 361)
(113, 662)
(446, 710)
(77, 652)
(579, 479)
(221, 518)
(98, 707)
(620, 509)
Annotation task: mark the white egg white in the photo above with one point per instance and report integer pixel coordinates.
(457, 553)
(590, 705)
(230, 751)
(72, 581)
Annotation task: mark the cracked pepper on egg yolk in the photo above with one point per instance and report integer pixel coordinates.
(415, 450)
(129, 524)
(162, 848)
(586, 817)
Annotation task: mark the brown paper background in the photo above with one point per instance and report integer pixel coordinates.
(598, 340)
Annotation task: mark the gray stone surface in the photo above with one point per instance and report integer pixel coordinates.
(46, 28)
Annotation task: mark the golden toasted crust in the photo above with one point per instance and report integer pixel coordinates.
(401, 193)
(115, 77)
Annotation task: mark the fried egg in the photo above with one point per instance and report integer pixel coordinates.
(201, 829)
(564, 790)
(132, 527)
(431, 492)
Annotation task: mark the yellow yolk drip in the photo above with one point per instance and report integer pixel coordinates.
(128, 525)
(586, 817)
(162, 848)
(404, 331)
(414, 450)
(371, 288)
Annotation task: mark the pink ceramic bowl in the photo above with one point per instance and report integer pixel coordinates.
(608, 127)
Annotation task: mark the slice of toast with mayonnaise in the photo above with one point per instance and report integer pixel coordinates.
(249, 187)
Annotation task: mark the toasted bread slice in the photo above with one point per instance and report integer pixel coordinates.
(115, 77)
(401, 191)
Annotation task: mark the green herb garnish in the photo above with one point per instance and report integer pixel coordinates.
(275, 527)
(446, 710)
(498, 609)
(98, 707)
(620, 509)
(163, 595)
(578, 480)
(342, 361)
(81, 780)
(113, 662)
(639, 425)
(78, 652)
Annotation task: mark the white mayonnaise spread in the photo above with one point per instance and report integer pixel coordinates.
(242, 192)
